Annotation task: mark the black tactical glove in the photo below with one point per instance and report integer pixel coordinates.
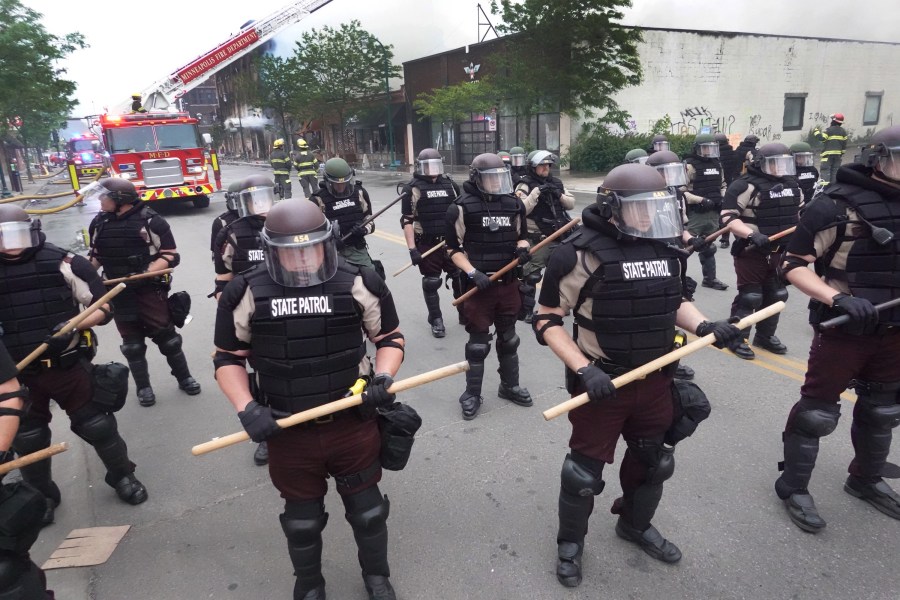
(377, 394)
(358, 230)
(523, 255)
(482, 281)
(597, 383)
(706, 205)
(58, 345)
(698, 243)
(727, 335)
(415, 256)
(859, 310)
(759, 240)
(688, 287)
(546, 187)
(258, 421)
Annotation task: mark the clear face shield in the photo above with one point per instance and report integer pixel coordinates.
(495, 182)
(302, 260)
(639, 160)
(709, 150)
(255, 201)
(661, 146)
(889, 163)
(340, 187)
(803, 159)
(517, 160)
(778, 166)
(649, 215)
(431, 167)
(18, 235)
(674, 174)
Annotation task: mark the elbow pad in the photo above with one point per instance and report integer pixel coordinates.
(21, 393)
(790, 263)
(225, 359)
(553, 320)
(393, 340)
(172, 258)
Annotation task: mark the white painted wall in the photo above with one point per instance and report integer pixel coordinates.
(738, 81)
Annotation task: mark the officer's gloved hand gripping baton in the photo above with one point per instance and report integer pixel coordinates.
(838, 321)
(72, 324)
(333, 407)
(515, 262)
(365, 222)
(144, 275)
(434, 248)
(665, 359)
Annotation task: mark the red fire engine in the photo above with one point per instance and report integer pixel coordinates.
(161, 153)
(86, 152)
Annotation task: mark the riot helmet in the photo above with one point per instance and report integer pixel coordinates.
(660, 143)
(298, 244)
(530, 155)
(883, 153)
(751, 140)
(231, 195)
(430, 163)
(301, 143)
(706, 146)
(256, 196)
(774, 159)
(803, 154)
(339, 178)
(490, 175)
(669, 167)
(504, 156)
(119, 191)
(639, 202)
(17, 230)
(517, 156)
(638, 155)
(541, 157)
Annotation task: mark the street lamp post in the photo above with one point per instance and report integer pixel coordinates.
(387, 92)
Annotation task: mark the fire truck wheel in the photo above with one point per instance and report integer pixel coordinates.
(201, 201)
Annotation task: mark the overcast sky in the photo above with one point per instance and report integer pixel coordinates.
(135, 44)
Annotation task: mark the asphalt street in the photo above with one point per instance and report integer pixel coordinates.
(474, 513)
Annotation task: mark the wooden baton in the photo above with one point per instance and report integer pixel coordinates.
(24, 461)
(333, 407)
(424, 254)
(145, 275)
(662, 361)
(365, 222)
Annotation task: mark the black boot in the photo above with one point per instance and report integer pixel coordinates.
(101, 431)
(303, 523)
(476, 351)
(649, 540)
(574, 512)
(634, 524)
(770, 343)
(430, 287)
(509, 381)
(129, 489)
(140, 370)
(30, 438)
(169, 344)
(876, 492)
(367, 513)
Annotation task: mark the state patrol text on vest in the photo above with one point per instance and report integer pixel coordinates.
(645, 269)
(312, 305)
(501, 221)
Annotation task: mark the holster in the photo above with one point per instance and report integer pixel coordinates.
(398, 425)
(179, 307)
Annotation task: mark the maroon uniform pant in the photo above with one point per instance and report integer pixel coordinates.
(144, 312)
(499, 300)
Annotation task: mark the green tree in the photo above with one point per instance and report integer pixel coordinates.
(569, 56)
(276, 88)
(457, 102)
(339, 71)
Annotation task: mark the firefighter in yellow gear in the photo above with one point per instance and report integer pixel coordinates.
(281, 168)
(835, 140)
(307, 166)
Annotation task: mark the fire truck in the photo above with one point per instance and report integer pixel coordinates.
(161, 153)
(86, 152)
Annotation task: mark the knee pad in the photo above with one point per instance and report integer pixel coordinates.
(507, 342)
(32, 437)
(877, 403)
(774, 290)
(169, 342)
(367, 510)
(709, 251)
(133, 350)
(478, 347)
(815, 422)
(532, 279)
(303, 522)
(431, 284)
(659, 459)
(95, 428)
(750, 296)
(580, 476)
(505, 323)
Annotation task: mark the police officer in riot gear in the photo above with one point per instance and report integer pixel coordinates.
(128, 237)
(757, 205)
(47, 284)
(21, 506)
(307, 166)
(636, 155)
(517, 163)
(706, 185)
(348, 204)
(546, 201)
(743, 155)
(424, 207)
(807, 173)
(728, 157)
(620, 277)
(281, 167)
(852, 234)
(230, 214)
(239, 247)
(486, 230)
(659, 143)
(278, 317)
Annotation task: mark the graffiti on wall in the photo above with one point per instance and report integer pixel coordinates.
(819, 118)
(694, 118)
(763, 132)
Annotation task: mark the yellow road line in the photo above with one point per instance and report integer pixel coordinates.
(390, 237)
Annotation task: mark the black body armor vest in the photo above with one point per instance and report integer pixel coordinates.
(306, 343)
(548, 214)
(431, 207)
(806, 179)
(122, 243)
(707, 180)
(247, 247)
(37, 299)
(489, 251)
(346, 211)
(773, 211)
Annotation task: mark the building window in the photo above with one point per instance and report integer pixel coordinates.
(872, 111)
(794, 105)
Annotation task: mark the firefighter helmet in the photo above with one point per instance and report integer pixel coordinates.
(279, 143)
(256, 196)
(838, 118)
(430, 163)
(301, 143)
(339, 178)
(298, 244)
(639, 202)
(490, 175)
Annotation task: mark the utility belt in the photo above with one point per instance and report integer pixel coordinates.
(86, 348)
(743, 244)
(691, 209)
(508, 277)
(334, 417)
(820, 312)
(429, 240)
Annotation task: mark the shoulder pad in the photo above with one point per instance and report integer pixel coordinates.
(738, 186)
(373, 281)
(234, 291)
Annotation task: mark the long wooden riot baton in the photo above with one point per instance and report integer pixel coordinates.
(365, 222)
(776, 236)
(136, 276)
(24, 461)
(837, 321)
(72, 324)
(515, 262)
(709, 239)
(424, 254)
(333, 407)
(662, 361)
